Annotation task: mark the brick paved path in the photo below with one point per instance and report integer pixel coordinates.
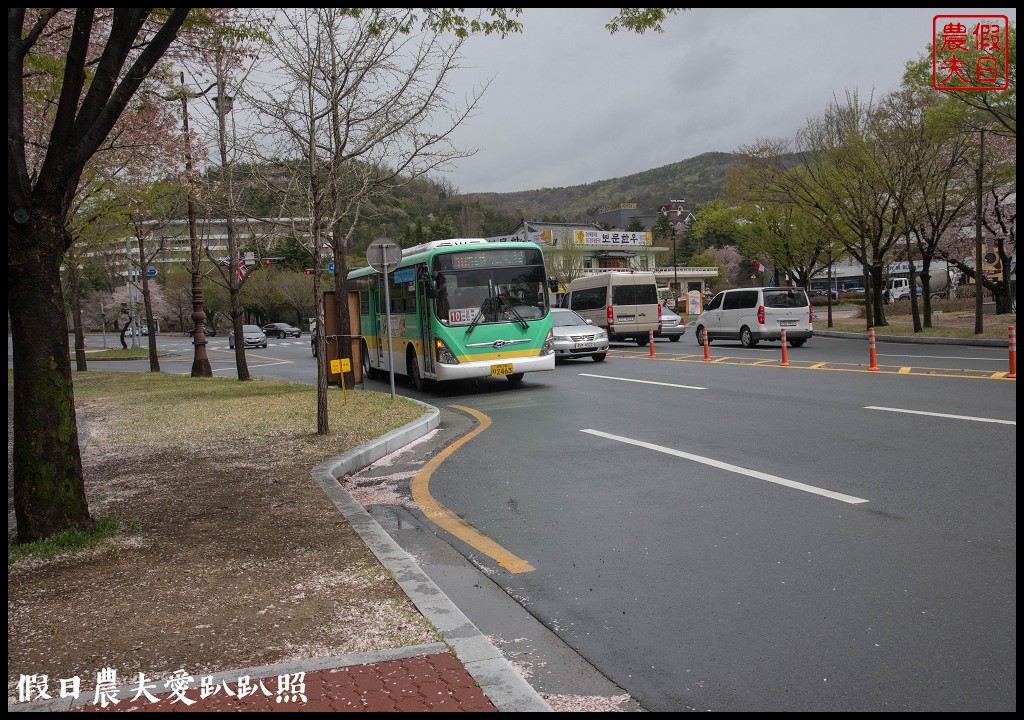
(426, 683)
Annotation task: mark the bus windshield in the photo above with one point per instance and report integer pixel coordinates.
(489, 295)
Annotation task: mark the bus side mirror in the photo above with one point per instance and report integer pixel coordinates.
(431, 287)
(553, 283)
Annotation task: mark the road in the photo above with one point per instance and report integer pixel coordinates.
(735, 535)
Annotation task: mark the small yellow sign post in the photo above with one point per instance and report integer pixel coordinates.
(342, 366)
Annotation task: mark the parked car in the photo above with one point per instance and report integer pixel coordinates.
(252, 336)
(281, 330)
(575, 337)
(754, 314)
(672, 325)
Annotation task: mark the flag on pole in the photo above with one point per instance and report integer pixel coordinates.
(759, 267)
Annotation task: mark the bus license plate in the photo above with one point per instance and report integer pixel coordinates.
(501, 369)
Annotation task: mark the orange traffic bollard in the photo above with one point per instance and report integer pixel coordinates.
(1013, 352)
(871, 349)
(785, 355)
(650, 341)
(707, 355)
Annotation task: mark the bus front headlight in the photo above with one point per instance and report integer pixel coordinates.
(443, 353)
(549, 344)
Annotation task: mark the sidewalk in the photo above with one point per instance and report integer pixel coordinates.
(464, 673)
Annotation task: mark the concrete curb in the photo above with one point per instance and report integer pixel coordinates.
(498, 679)
(979, 342)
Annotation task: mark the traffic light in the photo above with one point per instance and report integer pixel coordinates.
(273, 260)
(309, 271)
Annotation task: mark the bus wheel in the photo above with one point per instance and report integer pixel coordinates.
(412, 365)
(369, 371)
(515, 377)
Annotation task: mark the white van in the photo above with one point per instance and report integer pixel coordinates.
(624, 303)
(753, 314)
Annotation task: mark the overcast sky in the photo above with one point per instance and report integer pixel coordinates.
(572, 104)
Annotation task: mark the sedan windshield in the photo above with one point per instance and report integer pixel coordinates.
(566, 319)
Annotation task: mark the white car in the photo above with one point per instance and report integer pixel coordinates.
(754, 314)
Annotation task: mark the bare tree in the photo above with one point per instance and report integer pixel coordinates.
(365, 105)
(930, 159)
(564, 259)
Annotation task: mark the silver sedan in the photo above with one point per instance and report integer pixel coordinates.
(575, 337)
(673, 326)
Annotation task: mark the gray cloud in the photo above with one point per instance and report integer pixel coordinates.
(571, 104)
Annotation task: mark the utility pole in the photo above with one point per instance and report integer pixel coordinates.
(979, 304)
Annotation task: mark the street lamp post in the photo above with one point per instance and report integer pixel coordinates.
(201, 361)
(675, 273)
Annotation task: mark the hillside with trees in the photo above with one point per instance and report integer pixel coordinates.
(695, 180)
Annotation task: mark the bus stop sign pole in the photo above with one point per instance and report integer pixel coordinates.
(381, 254)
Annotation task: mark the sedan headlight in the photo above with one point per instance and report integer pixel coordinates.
(549, 344)
(602, 334)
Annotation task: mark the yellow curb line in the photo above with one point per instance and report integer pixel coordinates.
(453, 523)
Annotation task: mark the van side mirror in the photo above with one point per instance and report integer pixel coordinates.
(431, 288)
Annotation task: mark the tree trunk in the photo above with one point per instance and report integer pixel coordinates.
(49, 488)
(873, 297)
(154, 358)
(76, 314)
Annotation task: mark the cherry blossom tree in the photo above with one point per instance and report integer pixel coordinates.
(58, 116)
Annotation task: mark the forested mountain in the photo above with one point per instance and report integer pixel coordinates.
(695, 180)
(426, 210)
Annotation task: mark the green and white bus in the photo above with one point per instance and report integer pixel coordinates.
(460, 308)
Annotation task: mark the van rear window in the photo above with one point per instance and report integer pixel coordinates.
(791, 298)
(635, 294)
